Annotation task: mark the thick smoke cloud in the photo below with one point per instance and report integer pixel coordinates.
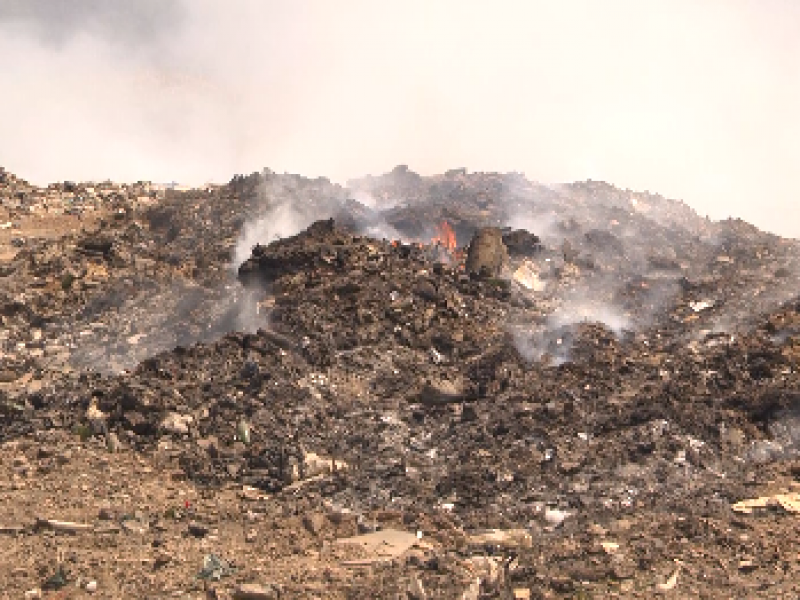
(198, 90)
(132, 23)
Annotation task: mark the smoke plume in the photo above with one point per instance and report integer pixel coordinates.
(167, 90)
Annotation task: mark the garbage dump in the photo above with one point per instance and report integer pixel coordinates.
(468, 385)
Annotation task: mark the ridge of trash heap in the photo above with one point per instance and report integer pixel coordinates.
(388, 384)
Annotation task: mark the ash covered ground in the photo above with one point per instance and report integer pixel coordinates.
(468, 385)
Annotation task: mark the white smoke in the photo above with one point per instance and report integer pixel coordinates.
(553, 338)
(194, 90)
(582, 310)
(280, 220)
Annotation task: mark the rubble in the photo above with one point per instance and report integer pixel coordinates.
(511, 538)
(379, 546)
(65, 526)
(788, 502)
(561, 389)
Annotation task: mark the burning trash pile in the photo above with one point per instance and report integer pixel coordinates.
(461, 386)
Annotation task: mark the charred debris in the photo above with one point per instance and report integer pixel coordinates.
(602, 370)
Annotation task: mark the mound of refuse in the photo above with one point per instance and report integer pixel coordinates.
(484, 385)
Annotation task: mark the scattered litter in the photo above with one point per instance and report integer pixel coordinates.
(214, 568)
(701, 306)
(243, 431)
(56, 581)
(670, 583)
(380, 546)
(610, 547)
(502, 538)
(555, 517)
(788, 502)
(65, 526)
(254, 591)
(527, 277)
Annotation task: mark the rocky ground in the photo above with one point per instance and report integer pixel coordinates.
(458, 386)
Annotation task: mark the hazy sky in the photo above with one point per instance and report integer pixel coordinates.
(695, 99)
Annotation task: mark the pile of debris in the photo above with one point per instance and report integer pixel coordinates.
(70, 198)
(587, 407)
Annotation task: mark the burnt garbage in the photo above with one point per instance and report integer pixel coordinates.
(622, 372)
(487, 253)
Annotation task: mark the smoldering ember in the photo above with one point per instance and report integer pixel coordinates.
(468, 385)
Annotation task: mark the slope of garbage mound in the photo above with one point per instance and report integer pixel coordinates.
(605, 406)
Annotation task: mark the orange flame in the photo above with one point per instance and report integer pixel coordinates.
(446, 236)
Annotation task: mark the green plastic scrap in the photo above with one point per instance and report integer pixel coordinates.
(214, 568)
(56, 581)
(243, 431)
(9, 407)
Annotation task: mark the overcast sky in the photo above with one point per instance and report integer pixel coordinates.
(694, 99)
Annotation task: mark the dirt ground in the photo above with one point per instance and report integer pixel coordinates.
(136, 516)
